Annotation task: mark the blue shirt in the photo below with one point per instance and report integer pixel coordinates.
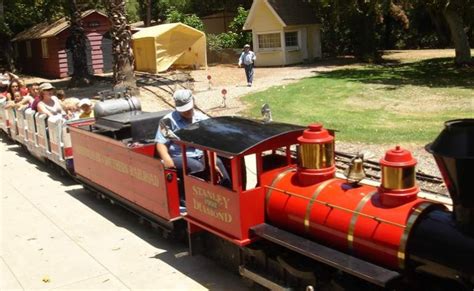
(177, 122)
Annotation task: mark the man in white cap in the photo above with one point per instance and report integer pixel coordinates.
(170, 152)
(247, 58)
(184, 115)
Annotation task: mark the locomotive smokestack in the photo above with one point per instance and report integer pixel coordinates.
(453, 151)
(316, 155)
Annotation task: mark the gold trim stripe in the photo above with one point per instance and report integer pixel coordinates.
(275, 180)
(311, 202)
(357, 211)
(330, 205)
(411, 221)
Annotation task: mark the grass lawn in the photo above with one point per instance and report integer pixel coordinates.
(396, 102)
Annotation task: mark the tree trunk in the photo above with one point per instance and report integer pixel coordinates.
(458, 34)
(121, 46)
(148, 13)
(77, 43)
(363, 38)
(442, 29)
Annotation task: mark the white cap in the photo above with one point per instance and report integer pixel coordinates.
(46, 86)
(183, 100)
(85, 101)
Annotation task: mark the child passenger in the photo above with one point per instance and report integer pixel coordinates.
(86, 108)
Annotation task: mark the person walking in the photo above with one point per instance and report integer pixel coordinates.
(247, 58)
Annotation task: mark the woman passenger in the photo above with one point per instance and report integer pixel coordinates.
(49, 104)
(14, 87)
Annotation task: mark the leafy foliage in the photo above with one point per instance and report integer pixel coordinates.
(192, 20)
(222, 40)
(236, 37)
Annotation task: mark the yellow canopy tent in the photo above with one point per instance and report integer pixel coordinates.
(158, 47)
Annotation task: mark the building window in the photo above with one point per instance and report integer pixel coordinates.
(291, 39)
(269, 41)
(93, 24)
(28, 49)
(44, 48)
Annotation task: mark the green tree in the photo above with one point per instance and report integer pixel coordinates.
(234, 38)
(173, 16)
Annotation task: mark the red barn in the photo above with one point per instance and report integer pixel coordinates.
(42, 50)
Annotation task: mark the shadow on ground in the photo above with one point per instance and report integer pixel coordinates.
(175, 251)
(439, 72)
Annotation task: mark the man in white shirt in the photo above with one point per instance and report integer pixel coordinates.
(247, 58)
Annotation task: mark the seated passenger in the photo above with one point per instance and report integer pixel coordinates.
(16, 99)
(23, 89)
(49, 104)
(34, 92)
(71, 106)
(12, 88)
(86, 107)
(61, 95)
(170, 152)
(3, 88)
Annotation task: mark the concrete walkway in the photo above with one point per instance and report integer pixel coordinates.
(56, 235)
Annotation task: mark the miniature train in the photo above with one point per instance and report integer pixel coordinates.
(293, 224)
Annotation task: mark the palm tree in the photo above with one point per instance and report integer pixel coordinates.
(77, 43)
(121, 45)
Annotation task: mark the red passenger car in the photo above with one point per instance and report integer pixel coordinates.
(117, 156)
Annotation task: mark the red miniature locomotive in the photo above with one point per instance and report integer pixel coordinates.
(285, 221)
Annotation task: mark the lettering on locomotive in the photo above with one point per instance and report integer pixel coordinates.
(212, 204)
(118, 166)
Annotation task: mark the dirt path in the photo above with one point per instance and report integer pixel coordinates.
(231, 78)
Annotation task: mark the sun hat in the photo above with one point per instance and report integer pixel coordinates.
(85, 101)
(46, 86)
(183, 100)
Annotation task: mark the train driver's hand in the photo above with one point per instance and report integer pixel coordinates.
(168, 163)
(219, 174)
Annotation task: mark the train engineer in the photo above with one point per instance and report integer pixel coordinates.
(170, 152)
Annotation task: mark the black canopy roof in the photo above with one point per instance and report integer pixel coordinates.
(232, 136)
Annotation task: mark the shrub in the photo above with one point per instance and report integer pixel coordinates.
(221, 41)
(173, 16)
(235, 38)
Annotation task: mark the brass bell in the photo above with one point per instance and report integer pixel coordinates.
(355, 172)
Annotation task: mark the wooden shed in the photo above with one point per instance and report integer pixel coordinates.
(284, 32)
(42, 50)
